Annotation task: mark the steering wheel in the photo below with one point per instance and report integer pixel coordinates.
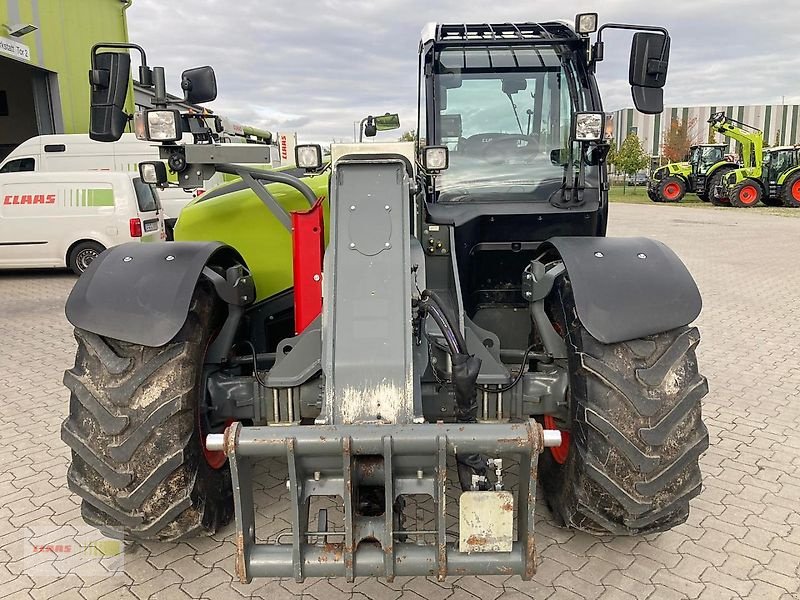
(509, 144)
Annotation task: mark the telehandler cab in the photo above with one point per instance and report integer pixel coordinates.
(467, 332)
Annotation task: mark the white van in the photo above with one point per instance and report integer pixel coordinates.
(77, 152)
(67, 219)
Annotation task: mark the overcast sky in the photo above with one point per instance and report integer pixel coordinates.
(317, 66)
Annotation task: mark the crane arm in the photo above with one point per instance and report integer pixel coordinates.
(751, 139)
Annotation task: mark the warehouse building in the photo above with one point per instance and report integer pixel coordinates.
(779, 122)
(44, 60)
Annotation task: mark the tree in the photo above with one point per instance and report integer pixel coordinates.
(677, 139)
(631, 157)
(611, 157)
(408, 136)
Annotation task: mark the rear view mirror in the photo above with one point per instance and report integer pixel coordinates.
(387, 122)
(512, 85)
(648, 71)
(109, 79)
(199, 85)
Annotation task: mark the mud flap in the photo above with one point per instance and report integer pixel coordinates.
(140, 293)
(627, 288)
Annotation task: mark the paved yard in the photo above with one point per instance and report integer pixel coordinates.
(742, 538)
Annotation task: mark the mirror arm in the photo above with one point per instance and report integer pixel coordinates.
(597, 54)
(124, 45)
(159, 88)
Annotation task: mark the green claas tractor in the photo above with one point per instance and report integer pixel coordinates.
(774, 180)
(437, 325)
(671, 182)
(707, 166)
(751, 142)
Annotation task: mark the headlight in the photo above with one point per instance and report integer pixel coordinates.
(308, 156)
(588, 126)
(154, 172)
(586, 23)
(162, 125)
(139, 125)
(435, 158)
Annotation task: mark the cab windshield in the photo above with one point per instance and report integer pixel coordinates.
(704, 157)
(501, 112)
(776, 162)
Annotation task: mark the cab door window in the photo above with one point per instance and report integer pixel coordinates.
(19, 165)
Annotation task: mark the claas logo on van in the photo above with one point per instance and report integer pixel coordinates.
(30, 199)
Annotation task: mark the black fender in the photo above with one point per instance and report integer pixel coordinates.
(627, 288)
(140, 292)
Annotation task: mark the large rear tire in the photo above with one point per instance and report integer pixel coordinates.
(636, 433)
(138, 462)
(790, 193)
(745, 194)
(671, 189)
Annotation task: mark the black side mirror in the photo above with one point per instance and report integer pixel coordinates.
(109, 79)
(370, 129)
(648, 71)
(199, 85)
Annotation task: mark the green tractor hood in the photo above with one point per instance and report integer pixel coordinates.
(234, 215)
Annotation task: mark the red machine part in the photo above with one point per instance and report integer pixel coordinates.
(308, 245)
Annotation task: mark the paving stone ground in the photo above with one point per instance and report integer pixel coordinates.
(742, 539)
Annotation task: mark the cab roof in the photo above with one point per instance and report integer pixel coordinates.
(461, 34)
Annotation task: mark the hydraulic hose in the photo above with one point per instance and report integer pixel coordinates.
(465, 370)
(448, 332)
(449, 327)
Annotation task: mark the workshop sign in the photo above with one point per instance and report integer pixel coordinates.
(15, 49)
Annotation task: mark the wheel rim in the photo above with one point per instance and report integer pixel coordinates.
(748, 195)
(672, 191)
(85, 257)
(560, 453)
(796, 191)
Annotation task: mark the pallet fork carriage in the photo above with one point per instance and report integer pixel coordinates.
(466, 295)
(406, 459)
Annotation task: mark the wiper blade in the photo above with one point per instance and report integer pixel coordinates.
(516, 114)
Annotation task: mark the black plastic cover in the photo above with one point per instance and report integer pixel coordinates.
(136, 293)
(627, 288)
